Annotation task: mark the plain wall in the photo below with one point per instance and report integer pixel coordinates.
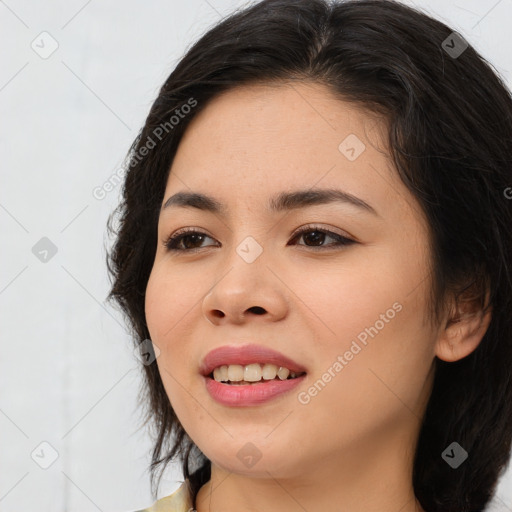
(68, 375)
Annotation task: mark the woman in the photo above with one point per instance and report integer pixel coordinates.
(315, 236)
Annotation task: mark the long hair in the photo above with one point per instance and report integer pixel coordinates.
(449, 118)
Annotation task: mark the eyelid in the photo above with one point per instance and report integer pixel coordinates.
(320, 227)
(189, 229)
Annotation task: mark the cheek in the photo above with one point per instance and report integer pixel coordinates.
(375, 385)
(343, 298)
(169, 299)
(172, 306)
(164, 307)
(371, 314)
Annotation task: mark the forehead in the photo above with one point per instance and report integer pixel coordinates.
(286, 115)
(258, 140)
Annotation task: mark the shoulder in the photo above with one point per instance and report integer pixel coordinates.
(179, 501)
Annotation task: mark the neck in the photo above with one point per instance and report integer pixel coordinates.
(371, 477)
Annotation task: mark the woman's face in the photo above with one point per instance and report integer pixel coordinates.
(352, 315)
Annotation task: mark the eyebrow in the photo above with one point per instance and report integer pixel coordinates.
(281, 202)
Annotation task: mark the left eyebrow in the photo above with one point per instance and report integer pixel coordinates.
(280, 202)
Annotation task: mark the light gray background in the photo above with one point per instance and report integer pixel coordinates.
(68, 375)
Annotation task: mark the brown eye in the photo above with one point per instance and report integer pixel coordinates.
(188, 240)
(315, 237)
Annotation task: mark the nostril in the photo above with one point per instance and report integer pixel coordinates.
(257, 309)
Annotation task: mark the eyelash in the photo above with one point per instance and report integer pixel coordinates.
(172, 241)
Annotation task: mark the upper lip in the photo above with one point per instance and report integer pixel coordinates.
(246, 354)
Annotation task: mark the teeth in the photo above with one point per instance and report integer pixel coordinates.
(254, 372)
(235, 372)
(283, 373)
(220, 374)
(269, 371)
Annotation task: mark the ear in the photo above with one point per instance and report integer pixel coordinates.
(463, 328)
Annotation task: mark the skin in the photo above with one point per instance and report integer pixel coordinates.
(351, 447)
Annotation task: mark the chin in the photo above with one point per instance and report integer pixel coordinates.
(249, 461)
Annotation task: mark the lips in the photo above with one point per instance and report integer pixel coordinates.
(244, 355)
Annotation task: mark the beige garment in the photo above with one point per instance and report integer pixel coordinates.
(179, 501)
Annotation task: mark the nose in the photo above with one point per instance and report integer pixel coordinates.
(246, 292)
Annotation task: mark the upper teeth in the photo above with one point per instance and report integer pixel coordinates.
(251, 372)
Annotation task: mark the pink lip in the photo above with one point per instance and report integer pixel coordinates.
(243, 355)
(246, 395)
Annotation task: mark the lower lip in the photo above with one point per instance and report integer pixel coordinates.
(244, 395)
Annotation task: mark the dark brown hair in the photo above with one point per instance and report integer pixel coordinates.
(450, 137)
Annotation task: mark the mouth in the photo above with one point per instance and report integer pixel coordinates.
(249, 375)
